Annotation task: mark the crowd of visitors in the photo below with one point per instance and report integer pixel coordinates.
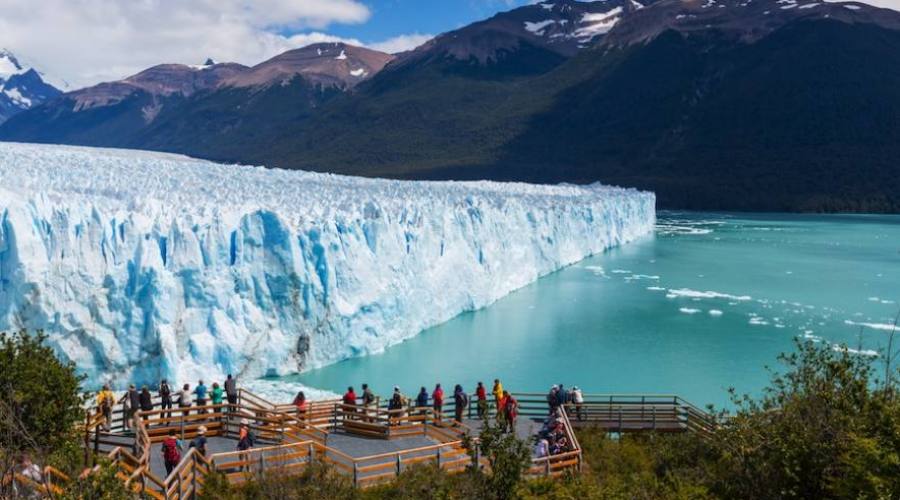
(559, 396)
(553, 437)
(135, 400)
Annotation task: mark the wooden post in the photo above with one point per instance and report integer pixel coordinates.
(654, 417)
(312, 453)
(194, 475)
(547, 466)
(87, 437)
(399, 464)
(182, 426)
(439, 458)
(355, 473)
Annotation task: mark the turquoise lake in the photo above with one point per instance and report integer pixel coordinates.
(705, 303)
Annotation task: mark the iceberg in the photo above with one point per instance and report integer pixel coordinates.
(141, 265)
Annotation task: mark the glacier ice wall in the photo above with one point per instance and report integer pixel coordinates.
(140, 265)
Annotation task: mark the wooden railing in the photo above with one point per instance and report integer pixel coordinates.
(291, 440)
(637, 413)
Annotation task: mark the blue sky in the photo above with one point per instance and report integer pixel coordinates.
(84, 42)
(390, 18)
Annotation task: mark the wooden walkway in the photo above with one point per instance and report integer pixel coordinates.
(371, 444)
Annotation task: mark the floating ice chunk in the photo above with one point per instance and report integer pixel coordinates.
(687, 292)
(689, 310)
(715, 312)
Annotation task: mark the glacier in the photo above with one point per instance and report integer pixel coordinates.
(141, 265)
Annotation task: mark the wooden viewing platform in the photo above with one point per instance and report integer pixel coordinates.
(369, 444)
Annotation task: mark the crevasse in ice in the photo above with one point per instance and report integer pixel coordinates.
(145, 265)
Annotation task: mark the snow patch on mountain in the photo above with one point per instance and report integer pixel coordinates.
(144, 265)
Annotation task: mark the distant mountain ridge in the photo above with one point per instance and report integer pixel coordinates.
(20, 87)
(713, 104)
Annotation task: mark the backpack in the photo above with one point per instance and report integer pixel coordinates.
(463, 399)
(170, 451)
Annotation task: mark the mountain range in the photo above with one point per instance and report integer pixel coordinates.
(21, 87)
(713, 104)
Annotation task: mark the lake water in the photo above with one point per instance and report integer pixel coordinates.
(705, 303)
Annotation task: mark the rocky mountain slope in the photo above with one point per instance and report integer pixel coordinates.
(713, 104)
(20, 87)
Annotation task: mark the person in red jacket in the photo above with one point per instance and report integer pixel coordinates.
(438, 398)
(481, 395)
(350, 400)
(171, 452)
(511, 411)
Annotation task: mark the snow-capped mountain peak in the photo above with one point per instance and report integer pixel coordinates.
(21, 87)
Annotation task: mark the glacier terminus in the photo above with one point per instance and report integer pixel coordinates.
(143, 265)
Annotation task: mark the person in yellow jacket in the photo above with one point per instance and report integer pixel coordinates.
(497, 391)
(105, 401)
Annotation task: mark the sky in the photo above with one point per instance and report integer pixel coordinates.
(76, 43)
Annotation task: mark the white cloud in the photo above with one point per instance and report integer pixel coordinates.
(401, 43)
(88, 41)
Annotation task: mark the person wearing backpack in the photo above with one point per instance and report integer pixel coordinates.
(199, 441)
(165, 396)
(171, 452)
(460, 402)
(395, 405)
(131, 405)
(578, 399)
(105, 402)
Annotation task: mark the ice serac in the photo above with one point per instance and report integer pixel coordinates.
(141, 265)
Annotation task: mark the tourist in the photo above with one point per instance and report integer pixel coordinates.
(422, 400)
(217, 395)
(185, 399)
(553, 399)
(368, 399)
(300, 405)
(460, 402)
(200, 391)
(501, 412)
(245, 440)
(437, 397)
(105, 402)
(395, 405)
(134, 403)
(199, 440)
(231, 390)
(171, 452)
(481, 394)
(497, 391)
(542, 448)
(146, 402)
(562, 396)
(511, 411)
(578, 399)
(30, 470)
(349, 401)
(165, 396)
